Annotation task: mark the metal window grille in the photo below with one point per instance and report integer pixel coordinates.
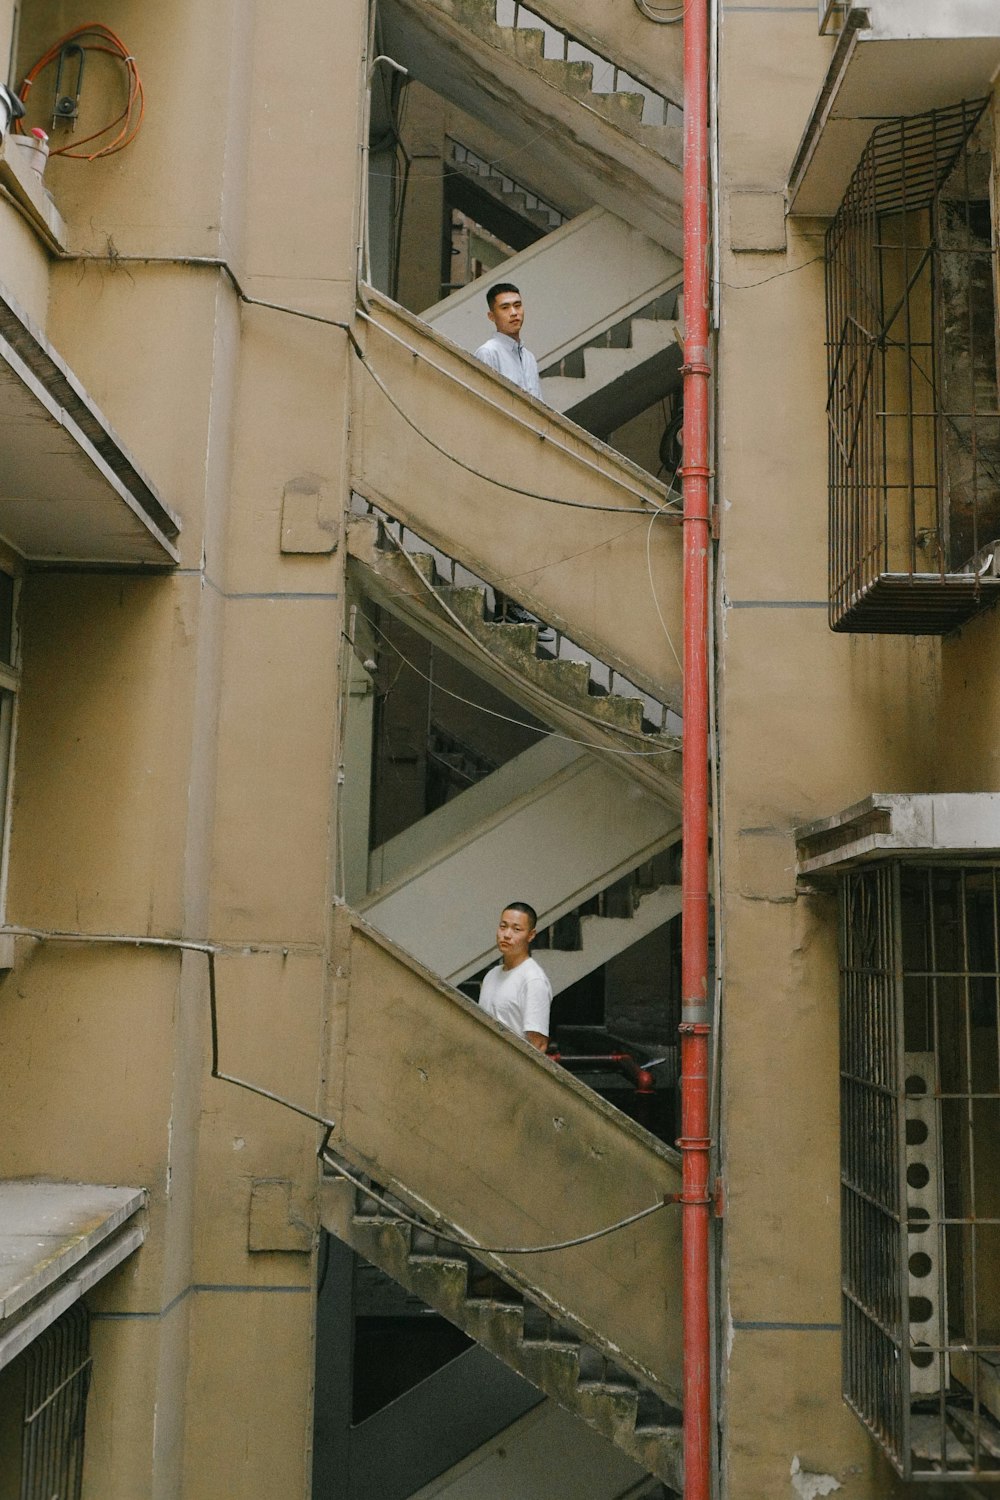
(912, 401)
(920, 1164)
(57, 1379)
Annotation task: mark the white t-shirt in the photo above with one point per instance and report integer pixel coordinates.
(518, 998)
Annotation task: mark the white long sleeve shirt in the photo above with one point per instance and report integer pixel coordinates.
(509, 357)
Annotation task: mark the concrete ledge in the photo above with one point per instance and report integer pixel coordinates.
(940, 825)
(57, 1240)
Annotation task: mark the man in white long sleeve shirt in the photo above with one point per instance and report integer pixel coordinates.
(504, 352)
(517, 992)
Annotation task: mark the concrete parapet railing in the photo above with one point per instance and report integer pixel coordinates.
(477, 1131)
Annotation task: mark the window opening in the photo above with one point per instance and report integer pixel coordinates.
(56, 1383)
(920, 1163)
(914, 424)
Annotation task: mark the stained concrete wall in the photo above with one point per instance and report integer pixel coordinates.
(176, 746)
(810, 722)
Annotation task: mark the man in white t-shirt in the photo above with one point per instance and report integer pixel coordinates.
(517, 992)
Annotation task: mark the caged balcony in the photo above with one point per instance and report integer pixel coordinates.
(914, 424)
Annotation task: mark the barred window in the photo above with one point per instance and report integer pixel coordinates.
(43, 1404)
(920, 1163)
(914, 424)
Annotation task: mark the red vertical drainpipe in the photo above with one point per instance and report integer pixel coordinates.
(694, 1141)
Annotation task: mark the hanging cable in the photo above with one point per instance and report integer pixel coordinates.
(211, 951)
(660, 17)
(503, 484)
(493, 713)
(508, 672)
(652, 585)
(185, 945)
(467, 1243)
(95, 37)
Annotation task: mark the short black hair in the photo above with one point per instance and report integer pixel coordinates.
(491, 297)
(529, 911)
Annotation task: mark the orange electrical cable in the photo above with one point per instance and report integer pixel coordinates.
(102, 39)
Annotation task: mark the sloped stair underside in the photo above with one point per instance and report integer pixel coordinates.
(499, 76)
(556, 690)
(528, 1340)
(481, 1137)
(442, 444)
(649, 52)
(586, 826)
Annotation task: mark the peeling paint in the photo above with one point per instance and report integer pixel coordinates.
(809, 1486)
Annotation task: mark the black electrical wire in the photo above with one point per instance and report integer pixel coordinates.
(465, 1243)
(503, 484)
(211, 950)
(493, 713)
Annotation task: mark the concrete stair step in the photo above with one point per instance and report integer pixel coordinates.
(578, 1376)
(561, 692)
(648, 337)
(512, 199)
(627, 104)
(572, 76)
(528, 43)
(597, 1369)
(517, 646)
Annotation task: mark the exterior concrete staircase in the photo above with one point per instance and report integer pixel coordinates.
(483, 472)
(580, 1377)
(419, 1079)
(620, 373)
(506, 195)
(587, 827)
(545, 679)
(502, 75)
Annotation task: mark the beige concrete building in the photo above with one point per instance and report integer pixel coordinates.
(320, 642)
